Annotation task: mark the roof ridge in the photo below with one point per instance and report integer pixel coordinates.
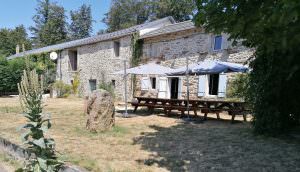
(92, 39)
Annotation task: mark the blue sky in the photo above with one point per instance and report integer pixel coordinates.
(16, 12)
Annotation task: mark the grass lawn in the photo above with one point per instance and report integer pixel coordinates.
(151, 142)
(7, 163)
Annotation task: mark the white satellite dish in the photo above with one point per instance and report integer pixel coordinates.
(53, 55)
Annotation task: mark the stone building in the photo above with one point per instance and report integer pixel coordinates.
(94, 59)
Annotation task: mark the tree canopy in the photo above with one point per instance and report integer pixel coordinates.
(273, 29)
(126, 13)
(81, 23)
(50, 24)
(10, 38)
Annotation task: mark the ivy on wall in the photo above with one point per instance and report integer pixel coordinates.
(137, 50)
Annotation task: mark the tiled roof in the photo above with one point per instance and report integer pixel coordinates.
(94, 39)
(170, 29)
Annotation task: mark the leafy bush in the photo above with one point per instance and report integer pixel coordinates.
(10, 74)
(76, 83)
(238, 86)
(30, 93)
(12, 70)
(108, 87)
(63, 90)
(275, 91)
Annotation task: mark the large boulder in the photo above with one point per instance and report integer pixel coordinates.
(100, 111)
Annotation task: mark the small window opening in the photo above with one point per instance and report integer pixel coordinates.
(93, 84)
(213, 84)
(73, 60)
(218, 42)
(117, 48)
(153, 83)
(113, 83)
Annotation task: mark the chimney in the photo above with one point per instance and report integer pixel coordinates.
(17, 49)
(23, 47)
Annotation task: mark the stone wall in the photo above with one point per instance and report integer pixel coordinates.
(97, 62)
(20, 154)
(197, 46)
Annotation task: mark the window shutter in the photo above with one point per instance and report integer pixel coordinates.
(224, 42)
(180, 87)
(201, 85)
(145, 83)
(222, 85)
(163, 87)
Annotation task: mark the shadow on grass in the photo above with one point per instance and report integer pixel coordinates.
(217, 146)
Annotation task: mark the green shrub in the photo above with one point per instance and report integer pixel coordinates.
(63, 90)
(238, 86)
(275, 91)
(76, 83)
(10, 74)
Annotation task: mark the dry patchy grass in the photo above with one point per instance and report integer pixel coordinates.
(156, 143)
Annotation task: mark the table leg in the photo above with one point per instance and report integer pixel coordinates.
(182, 114)
(218, 115)
(245, 117)
(232, 118)
(205, 116)
(135, 108)
(195, 112)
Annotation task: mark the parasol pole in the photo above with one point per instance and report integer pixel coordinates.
(125, 89)
(187, 87)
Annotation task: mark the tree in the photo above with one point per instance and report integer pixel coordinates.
(10, 74)
(81, 25)
(10, 38)
(50, 24)
(180, 10)
(273, 29)
(126, 13)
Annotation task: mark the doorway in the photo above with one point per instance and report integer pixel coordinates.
(174, 88)
(213, 84)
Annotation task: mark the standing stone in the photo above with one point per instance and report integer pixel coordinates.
(100, 111)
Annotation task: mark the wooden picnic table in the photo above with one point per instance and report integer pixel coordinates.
(205, 106)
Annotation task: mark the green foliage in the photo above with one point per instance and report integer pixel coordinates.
(238, 87)
(10, 38)
(125, 13)
(30, 94)
(81, 25)
(180, 10)
(108, 87)
(76, 83)
(273, 28)
(12, 70)
(137, 49)
(44, 66)
(10, 74)
(50, 24)
(63, 90)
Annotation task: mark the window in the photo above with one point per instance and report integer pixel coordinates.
(117, 48)
(155, 50)
(93, 84)
(73, 60)
(113, 83)
(153, 83)
(213, 84)
(218, 42)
